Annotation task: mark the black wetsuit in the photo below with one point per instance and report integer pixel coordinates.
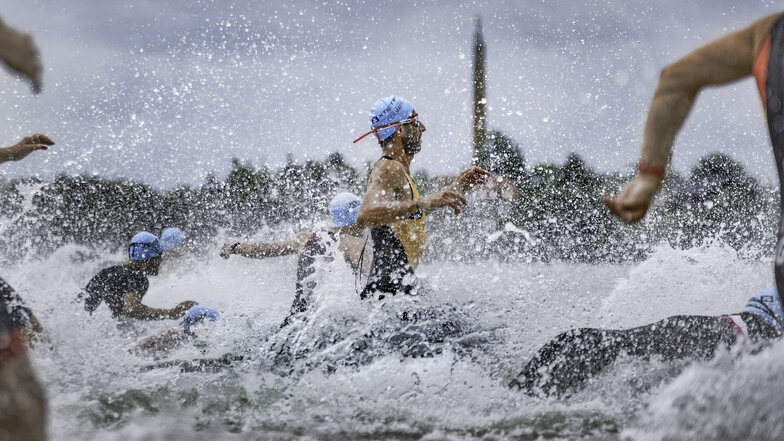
(564, 364)
(112, 284)
(392, 270)
(13, 311)
(774, 106)
(315, 248)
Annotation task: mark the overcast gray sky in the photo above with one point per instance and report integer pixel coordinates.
(168, 91)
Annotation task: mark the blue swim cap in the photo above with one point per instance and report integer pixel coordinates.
(344, 209)
(171, 237)
(389, 110)
(197, 314)
(144, 246)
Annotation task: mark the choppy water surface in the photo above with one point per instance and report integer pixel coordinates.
(432, 367)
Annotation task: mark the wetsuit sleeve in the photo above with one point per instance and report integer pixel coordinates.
(721, 61)
(93, 290)
(138, 283)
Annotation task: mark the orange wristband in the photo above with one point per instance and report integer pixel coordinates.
(648, 169)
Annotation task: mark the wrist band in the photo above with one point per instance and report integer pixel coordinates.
(649, 169)
(233, 249)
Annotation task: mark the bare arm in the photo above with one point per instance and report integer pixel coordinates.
(493, 185)
(27, 145)
(721, 61)
(386, 199)
(134, 308)
(19, 53)
(260, 250)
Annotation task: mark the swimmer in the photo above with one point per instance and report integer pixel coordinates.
(312, 247)
(173, 259)
(756, 50)
(171, 238)
(566, 363)
(122, 287)
(172, 338)
(343, 212)
(392, 207)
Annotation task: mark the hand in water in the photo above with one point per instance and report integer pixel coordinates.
(183, 307)
(19, 53)
(631, 205)
(27, 145)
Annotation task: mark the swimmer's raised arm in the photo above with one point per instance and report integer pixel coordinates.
(386, 200)
(261, 250)
(469, 179)
(27, 145)
(20, 55)
(496, 185)
(726, 59)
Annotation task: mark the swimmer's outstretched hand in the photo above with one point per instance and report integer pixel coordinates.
(444, 198)
(183, 307)
(226, 250)
(631, 205)
(27, 145)
(470, 178)
(19, 53)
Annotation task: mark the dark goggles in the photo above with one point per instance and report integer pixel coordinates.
(143, 251)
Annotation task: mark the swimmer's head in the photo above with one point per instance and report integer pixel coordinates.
(344, 209)
(385, 113)
(171, 238)
(198, 314)
(144, 246)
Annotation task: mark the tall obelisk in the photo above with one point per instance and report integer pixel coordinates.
(480, 100)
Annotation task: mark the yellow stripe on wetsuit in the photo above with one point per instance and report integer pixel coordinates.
(411, 231)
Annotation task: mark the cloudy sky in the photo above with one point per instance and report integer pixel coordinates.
(166, 92)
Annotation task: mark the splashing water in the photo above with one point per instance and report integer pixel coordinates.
(427, 367)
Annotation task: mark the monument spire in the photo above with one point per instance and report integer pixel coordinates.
(480, 99)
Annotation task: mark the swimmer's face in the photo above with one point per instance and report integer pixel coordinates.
(411, 134)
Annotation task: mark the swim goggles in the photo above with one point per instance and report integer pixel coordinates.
(414, 120)
(143, 251)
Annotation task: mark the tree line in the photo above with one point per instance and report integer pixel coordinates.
(558, 217)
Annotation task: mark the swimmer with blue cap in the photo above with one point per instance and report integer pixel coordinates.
(195, 316)
(122, 287)
(342, 236)
(171, 238)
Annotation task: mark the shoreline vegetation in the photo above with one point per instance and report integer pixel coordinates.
(560, 215)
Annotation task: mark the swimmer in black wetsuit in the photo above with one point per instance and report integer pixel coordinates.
(122, 287)
(567, 362)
